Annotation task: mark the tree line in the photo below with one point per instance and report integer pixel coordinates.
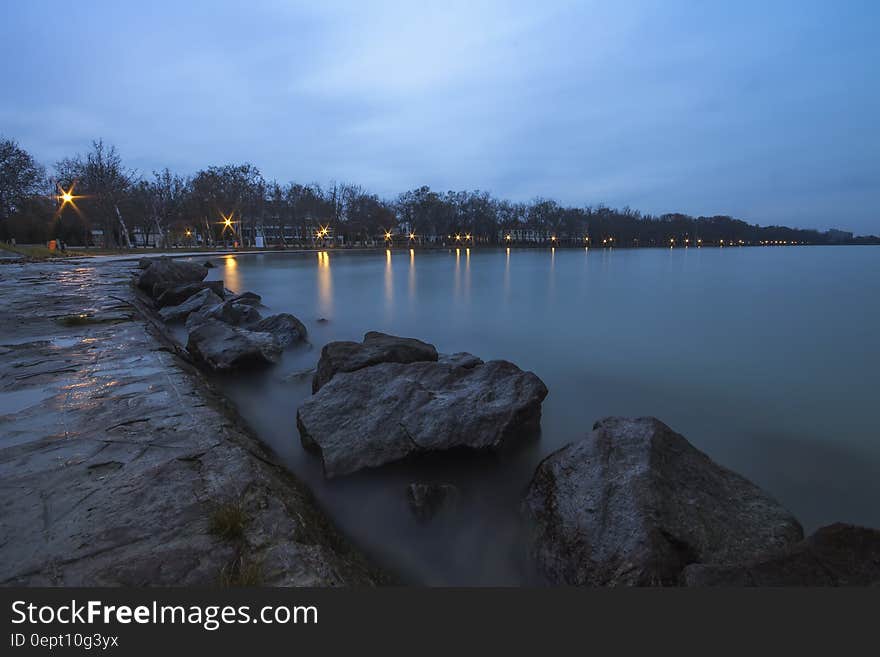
(94, 199)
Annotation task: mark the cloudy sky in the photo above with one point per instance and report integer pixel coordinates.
(769, 111)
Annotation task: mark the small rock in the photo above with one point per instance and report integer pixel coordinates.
(222, 347)
(194, 304)
(209, 265)
(426, 500)
(286, 328)
(461, 359)
(634, 503)
(180, 293)
(376, 348)
(164, 273)
(247, 298)
(236, 313)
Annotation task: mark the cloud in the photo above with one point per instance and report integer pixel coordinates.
(766, 112)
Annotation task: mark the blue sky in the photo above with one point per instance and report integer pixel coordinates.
(767, 111)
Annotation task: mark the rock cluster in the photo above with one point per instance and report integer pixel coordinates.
(634, 503)
(224, 332)
(388, 398)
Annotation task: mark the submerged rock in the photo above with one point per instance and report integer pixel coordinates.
(836, 555)
(386, 412)
(426, 500)
(164, 273)
(286, 328)
(376, 348)
(196, 303)
(180, 293)
(222, 347)
(634, 503)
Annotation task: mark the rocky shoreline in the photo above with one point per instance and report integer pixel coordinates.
(161, 497)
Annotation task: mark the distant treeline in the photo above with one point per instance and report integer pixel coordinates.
(94, 199)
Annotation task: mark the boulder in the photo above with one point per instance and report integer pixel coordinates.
(286, 328)
(634, 503)
(376, 348)
(426, 500)
(222, 347)
(836, 555)
(198, 302)
(180, 293)
(461, 359)
(386, 412)
(164, 273)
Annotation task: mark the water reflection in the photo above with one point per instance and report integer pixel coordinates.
(412, 276)
(389, 286)
(230, 274)
(325, 284)
(507, 275)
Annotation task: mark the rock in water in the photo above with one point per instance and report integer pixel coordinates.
(247, 298)
(376, 348)
(180, 293)
(197, 303)
(234, 312)
(164, 273)
(286, 328)
(386, 412)
(222, 347)
(836, 555)
(634, 503)
(426, 500)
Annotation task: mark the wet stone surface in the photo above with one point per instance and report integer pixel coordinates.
(116, 457)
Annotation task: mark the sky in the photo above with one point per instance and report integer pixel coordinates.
(767, 111)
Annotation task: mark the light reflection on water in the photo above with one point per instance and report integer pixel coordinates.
(764, 358)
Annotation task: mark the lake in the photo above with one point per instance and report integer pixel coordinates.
(765, 358)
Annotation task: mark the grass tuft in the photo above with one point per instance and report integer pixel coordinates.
(228, 520)
(242, 572)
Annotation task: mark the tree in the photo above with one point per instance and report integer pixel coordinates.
(103, 182)
(21, 180)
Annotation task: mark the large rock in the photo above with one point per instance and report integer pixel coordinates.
(836, 555)
(180, 293)
(376, 348)
(389, 411)
(164, 273)
(197, 303)
(634, 503)
(286, 328)
(222, 347)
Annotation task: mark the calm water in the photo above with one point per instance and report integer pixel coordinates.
(765, 358)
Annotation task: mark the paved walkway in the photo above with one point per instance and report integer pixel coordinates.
(116, 458)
